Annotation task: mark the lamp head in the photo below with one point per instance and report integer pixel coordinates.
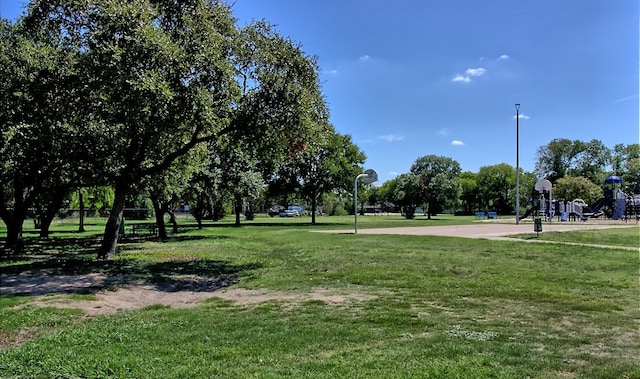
(517, 107)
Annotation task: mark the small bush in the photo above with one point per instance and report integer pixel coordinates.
(339, 211)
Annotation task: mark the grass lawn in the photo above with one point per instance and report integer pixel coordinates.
(611, 237)
(400, 306)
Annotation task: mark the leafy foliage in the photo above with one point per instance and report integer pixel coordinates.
(497, 185)
(577, 187)
(562, 157)
(407, 193)
(330, 166)
(439, 182)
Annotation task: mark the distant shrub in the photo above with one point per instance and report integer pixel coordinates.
(339, 211)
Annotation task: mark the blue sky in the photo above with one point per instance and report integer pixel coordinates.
(417, 77)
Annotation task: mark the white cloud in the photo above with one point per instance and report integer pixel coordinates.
(503, 57)
(394, 173)
(460, 78)
(469, 73)
(623, 99)
(331, 72)
(475, 71)
(443, 132)
(391, 138)
(522, 116)
(364, 58)
(456, 142)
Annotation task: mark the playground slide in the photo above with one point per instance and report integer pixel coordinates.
(595, 208)
(578, 214)
(529, 211)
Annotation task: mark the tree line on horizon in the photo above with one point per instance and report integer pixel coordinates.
(576, 169)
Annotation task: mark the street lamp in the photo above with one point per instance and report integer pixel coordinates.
(369, 176)
(517, 164)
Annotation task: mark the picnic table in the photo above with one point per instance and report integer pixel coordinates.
(150, 228)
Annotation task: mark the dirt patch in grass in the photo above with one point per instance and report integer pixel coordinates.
(246, 297)
(8, 340)
(110, 296)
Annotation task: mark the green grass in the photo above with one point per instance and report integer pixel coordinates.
(629, 237)
(417, 306)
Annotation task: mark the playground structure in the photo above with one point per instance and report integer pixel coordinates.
(540, 200)
(614, 204)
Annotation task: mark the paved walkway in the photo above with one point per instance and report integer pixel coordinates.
(499, 230)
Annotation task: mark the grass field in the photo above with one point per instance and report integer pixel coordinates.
(611, 237)
(400, 306)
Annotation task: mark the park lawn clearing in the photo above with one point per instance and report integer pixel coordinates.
(302, 304)
(626, 237)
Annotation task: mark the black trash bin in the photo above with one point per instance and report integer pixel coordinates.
(537, 224)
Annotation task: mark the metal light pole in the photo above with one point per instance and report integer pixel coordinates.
(355, 201)
(517, 164)
(369, 176)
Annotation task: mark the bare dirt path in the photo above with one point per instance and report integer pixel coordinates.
(488, 229)
(49, 291)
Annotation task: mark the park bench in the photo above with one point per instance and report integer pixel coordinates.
(150, 228)
(480, 215)
(492, 215)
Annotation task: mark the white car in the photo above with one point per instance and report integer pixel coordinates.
(289, 213)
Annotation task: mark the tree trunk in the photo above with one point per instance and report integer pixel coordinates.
(172, 219)
(238, 209)
(158, 209)
(198, 217)
(112, 228)
(14, 242)
(49, 210)
(46, 218)
(15, 221)
(198, 212)
(81, 205)
(313, 210)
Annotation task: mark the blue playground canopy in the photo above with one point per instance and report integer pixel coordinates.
(612, 180)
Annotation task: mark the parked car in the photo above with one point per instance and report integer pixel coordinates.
(289, 213)
(273, 212)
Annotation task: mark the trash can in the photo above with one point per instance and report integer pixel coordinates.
(537, 224)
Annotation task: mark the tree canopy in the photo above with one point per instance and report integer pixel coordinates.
(439, 181)
(138, 85)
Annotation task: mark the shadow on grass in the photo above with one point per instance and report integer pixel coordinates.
(69, 265)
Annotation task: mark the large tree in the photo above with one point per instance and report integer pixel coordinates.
(203, 191)
(470, 192)
(497, 185)
(626, 164)
(407, 193)
(562, 157)
(592, 161)
(329, 166)
(240, 182)
(282, 106)
(385, 195)
(166, 188)
(37, 153)
(158, 77)
(439, 182)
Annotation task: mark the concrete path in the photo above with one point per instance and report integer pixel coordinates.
(499, 230)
